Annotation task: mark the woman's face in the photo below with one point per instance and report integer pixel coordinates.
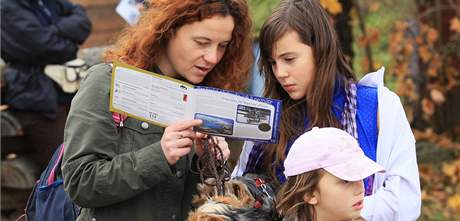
(337, 199)
(293, 64)
(196, 48)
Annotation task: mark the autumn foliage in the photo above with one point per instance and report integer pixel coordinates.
(426, 69)
(425, 72)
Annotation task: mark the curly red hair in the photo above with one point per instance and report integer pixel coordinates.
(142, 44)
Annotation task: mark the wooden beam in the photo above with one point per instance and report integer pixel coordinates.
(105, 19)
(100, 39)
(97, 3)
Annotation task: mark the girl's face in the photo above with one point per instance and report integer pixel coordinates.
(196, 48)
(336, 199)
(293, 64)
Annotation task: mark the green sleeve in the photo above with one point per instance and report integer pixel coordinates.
(94, 173)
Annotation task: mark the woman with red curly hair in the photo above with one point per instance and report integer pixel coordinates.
(138, 171)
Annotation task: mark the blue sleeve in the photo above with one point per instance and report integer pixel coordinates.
(25, 40)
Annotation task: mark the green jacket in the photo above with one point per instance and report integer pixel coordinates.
(120, 173)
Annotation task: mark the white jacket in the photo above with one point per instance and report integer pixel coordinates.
(396, 194)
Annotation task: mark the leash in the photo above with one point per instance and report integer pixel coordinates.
(212, 165)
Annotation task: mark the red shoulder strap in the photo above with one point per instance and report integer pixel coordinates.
(51, 177)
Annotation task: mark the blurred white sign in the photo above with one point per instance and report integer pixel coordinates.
(129, 11)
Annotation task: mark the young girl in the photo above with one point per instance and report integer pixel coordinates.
(305, 68)
(324, 168)
(139, 171)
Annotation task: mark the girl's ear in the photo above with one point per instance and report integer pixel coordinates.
(311, 199)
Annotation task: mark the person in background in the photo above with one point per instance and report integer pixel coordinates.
(135, 170)
(35, 33)
(305, 68)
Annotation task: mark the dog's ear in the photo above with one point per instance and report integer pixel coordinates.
(236, 188)
(242, 193)
(206, 190)
(198, 200)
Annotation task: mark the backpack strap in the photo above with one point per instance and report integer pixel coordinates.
(52, 177)
(119, 119)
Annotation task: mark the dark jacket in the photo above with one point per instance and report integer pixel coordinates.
(120, 173)
(35, 33)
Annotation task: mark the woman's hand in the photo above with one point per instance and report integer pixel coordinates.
(219, 141)
(178, 139)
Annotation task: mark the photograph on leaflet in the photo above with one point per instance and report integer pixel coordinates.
(214, 124)
(252, 115)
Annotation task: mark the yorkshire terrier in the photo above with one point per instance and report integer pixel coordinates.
(247, 198)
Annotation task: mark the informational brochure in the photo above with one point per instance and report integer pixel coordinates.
(162, 100)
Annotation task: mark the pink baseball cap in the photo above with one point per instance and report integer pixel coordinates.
(332, 149)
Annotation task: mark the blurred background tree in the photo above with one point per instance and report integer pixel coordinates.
(339, 9)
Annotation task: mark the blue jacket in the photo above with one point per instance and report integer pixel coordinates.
(35, 33)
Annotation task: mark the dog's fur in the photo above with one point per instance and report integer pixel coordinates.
(237, 204)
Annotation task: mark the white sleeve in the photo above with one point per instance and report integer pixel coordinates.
(243, 160)
(397, 194)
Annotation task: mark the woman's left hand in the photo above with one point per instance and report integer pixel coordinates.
(219, 141)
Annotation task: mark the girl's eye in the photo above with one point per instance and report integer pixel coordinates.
(289, 60)
(201, 43)
(345, 182)
(224, 45)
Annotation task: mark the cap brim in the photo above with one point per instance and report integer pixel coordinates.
(355, 168)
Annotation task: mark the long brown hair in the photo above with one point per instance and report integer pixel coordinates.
(312, 24)
(142, 44)
(291, 197)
